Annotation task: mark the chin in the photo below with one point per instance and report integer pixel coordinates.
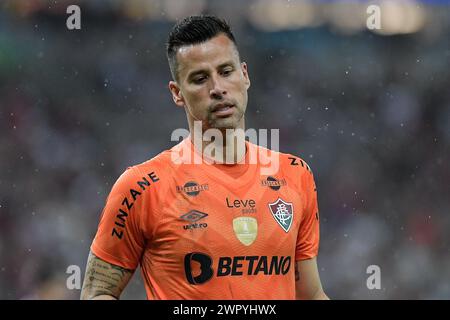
(225, 124)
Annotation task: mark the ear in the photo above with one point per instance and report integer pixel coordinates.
(245, 73)
(177, 96)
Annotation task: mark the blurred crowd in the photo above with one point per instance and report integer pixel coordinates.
(369, 113)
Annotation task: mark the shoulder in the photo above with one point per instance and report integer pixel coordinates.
(288, 163)
(157, 165)
(142, 175)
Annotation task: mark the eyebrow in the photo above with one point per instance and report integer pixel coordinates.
(194, 73)
(225, 64)
(222, 65)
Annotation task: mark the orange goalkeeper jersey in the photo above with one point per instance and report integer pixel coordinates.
(211, 231)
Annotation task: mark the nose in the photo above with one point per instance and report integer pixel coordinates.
(217, 90)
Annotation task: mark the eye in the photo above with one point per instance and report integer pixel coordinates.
(227, 72)
(199, 79)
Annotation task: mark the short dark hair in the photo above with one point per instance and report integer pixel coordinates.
(194, 30)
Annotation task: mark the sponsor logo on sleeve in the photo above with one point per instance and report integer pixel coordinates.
(129, 201)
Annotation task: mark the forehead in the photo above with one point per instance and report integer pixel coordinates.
(206, 54)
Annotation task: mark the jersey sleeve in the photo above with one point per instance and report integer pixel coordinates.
(119, 239)
(308, 235)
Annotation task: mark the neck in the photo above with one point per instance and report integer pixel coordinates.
(220, 145)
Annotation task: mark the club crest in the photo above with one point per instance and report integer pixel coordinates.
(283, 212)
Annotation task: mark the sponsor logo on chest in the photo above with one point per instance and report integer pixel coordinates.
(246, 205)
(192, 188)
(273, 183)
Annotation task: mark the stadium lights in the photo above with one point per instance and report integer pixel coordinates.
(347, 17)
(401, 17)
(177, 9)
(169, 10)
(277, 15)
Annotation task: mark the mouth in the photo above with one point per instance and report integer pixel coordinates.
(223, 110)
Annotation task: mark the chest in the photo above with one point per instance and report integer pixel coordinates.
(260, 217)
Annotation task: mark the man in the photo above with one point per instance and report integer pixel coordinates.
(218, 228)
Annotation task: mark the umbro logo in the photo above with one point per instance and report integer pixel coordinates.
(192, 217)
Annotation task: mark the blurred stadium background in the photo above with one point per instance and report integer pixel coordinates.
(369, 110)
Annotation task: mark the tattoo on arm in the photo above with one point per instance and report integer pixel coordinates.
(103, 278)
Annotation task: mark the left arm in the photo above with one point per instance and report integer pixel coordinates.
(307, 281)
